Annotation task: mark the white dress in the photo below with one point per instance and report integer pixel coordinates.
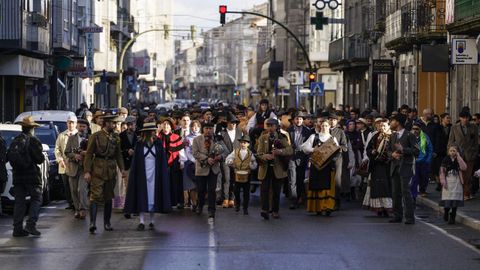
(150, 175)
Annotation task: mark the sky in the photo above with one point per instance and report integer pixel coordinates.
(204, 13)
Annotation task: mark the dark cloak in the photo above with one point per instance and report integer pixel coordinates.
(136, 200)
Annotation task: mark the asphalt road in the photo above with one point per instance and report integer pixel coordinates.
(350, 239)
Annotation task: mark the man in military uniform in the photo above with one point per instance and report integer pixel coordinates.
(101, 160)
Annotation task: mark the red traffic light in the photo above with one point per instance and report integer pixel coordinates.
(312, 77)
(223, 9)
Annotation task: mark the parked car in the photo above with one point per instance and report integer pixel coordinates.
(57, 118)
(9, 132)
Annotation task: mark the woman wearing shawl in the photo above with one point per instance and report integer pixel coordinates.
(148, 186)
(422, 163)
(187, 163)
(321, 183)
(378, 196)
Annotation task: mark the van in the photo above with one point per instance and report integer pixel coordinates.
(57, 118)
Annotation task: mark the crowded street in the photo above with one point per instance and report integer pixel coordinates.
(253, 134)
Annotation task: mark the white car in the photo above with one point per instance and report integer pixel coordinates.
(57, 118)
(9, 132)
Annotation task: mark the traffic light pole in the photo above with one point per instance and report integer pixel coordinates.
(305, 53)
(124, 51)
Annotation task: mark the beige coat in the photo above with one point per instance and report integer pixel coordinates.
(60, 146)
(201, 154)
(263, 148)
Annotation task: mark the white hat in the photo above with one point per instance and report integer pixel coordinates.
(72, 118)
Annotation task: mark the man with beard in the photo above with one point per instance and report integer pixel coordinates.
(100, 166)
(75, 152)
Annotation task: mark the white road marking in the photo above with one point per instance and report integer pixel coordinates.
(453, 237)
(4, 240)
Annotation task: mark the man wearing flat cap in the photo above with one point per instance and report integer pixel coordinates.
(27, 179)
(100, 165)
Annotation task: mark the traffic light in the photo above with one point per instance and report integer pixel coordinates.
(312, 77)
(236, 93)
(223, 12)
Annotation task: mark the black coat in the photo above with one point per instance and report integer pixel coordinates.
(32, 175)
(3, 161)
(298, 154)
(137, 197)
(125, 145)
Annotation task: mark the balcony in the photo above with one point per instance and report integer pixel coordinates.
(417, 22)
(348, 52)
(467, 17)
(122, 25)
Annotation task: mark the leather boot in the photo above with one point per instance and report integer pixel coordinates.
(93, 217)
(453, 214)
(446, 212)
(107, 214)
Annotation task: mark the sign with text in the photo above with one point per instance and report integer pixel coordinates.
(464, 51)
(92, 29)
(382, 67)
(90, 54)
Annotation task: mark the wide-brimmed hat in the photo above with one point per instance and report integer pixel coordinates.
(299, 114)
(149, 127)
(244, 138)
(98, 114)
(169, 120)
(232, 119)
(362, 120)
(28, 122)
(109, 118)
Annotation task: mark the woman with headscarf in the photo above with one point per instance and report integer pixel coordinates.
(187, 163)
(172, 143)
(148, 186)
(321, 183)
(378, 196)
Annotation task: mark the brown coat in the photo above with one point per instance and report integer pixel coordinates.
(468, 143)
(201, 155)
(280, 171)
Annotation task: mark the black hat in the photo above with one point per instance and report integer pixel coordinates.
(400, 118)
(332, 116)
(207, 124)
(464, 114)
(264, 101)
(109, 118)
(83, 121)
(271, 121)
(299, 114)
(232, 119)
(244, 138)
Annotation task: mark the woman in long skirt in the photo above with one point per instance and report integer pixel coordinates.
(148, 186)
(321, 183)
(187, 163)
(378, 196)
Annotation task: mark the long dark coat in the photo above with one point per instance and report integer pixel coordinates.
(137, 199)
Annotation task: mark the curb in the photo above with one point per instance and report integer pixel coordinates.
(461, 217)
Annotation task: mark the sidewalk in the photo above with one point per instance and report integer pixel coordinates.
(468, 215)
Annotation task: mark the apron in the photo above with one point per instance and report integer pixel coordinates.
(454, 191)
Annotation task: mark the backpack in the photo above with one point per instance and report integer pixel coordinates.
(18, 154)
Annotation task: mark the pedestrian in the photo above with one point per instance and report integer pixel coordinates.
(3, 169)
(75, 152)
(298, 165)
(230, 137)
(208, 156)
(339, 134)
(442, 146)
(120, 187)
(242, 161)
(100, 166)
(96, 124)
(465, 136)
(187, 164)
(452, 183)
(148, 186)
(321, 183)
(354, 137)
(256, 122)
(172, 144)
(378, 196)
(60, 145)
(422, 162)
(403, 150)
(128, 140)
(273, 153)
(25, 154)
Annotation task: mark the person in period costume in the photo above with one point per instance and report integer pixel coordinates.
(149, 185)
(187, 163)
(60, 145)
(258, 119)
(354, 137)
(273, 152)
(120, 187)
(442, 147)
(75, 152)
(96, 124)
(465, 136)
(451, 180)
(173, 143)
(339, 134)
(321, 183)
(242, 160)
(128, 140)
(208, 156)
(230, 137)
(402, 152)
(27, 181)
(378, 196)
(298, 165)
(100, 166)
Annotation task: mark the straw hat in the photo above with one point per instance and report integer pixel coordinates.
(28, 122)
(152, 126)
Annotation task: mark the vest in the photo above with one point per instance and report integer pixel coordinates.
(242, 167)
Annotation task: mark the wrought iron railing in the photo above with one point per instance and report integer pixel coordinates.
(465, 9)
(353, 48)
